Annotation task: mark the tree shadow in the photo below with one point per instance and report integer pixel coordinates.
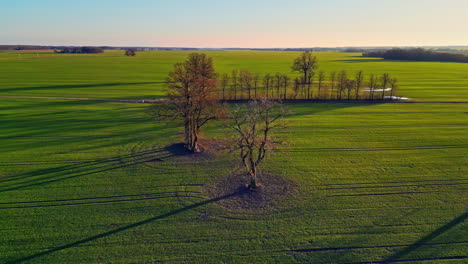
(124, 228)
(75, 86)
(178, 150)
(362, 60)
(307, 108)
(51, 175)
(423, 241)
(440, 244)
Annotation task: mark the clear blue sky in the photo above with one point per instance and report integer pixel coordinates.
(236, 23)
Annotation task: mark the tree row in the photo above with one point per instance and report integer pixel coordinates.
(246, 85)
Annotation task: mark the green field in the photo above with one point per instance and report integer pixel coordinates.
(93, 182)
(112, 75)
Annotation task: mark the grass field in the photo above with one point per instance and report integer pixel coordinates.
(94, 182)
(112, 75)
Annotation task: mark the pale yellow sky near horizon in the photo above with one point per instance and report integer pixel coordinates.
(241, 23)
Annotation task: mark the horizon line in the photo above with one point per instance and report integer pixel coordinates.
(263, 48)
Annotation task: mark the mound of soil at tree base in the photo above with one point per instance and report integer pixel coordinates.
(209, 149)
(272, 191)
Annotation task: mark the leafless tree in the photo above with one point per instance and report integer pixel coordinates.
(350, 85)
(359, 81)
(254, 123)
(224, 84)
(256, 77)
(130, 52)
(394, 85)
(305, 64)
(297, 87)
(246, 82)
(309, 85)
(278, 79)
(192, 97)
(372, 85)
(332, 83)
(234, 75)
(342, 78)
(285, 83)
(267, 82)
(321, 78)
(385, 79)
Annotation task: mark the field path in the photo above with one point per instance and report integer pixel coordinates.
(152, 101)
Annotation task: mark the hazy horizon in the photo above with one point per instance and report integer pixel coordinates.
(243, 24)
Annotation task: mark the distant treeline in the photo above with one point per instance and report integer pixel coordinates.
(246, 85)
(81, 50)
(449, 49)
(417, 55)
(24, 47)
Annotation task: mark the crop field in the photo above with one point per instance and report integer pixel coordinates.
(112, 75)
(97, 182)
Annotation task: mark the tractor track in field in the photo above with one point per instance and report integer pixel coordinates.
(153, 101)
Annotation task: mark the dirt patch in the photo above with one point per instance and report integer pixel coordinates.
(274, 189)
(209, 149)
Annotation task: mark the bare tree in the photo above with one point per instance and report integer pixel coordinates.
(350, 85)
(285, 83)
(254, 123)
(332, 83)
(246, 82)
(297, 87)
(359, 81)
(234, 75)
(130, 52)
(278, 79)
(385, 79)
(342, 78)
(267, 82)
(372, 85)
(394, 85)
(256, 77)
(305, 64)
(321, 78)
(224, 84)
(309, 85)
(192, 97)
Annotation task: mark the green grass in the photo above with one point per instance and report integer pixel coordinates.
(113, 75)
(93, 182)
(79, 184)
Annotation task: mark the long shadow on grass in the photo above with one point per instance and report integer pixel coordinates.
(307, 108)
(363, 60)
(98, 200)
(51, 175)
(118, 230)
(423, 241)
(74, 86)
(426, 241)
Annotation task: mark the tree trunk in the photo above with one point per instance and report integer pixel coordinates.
(253, 179)
(191, 136)
(319, 88)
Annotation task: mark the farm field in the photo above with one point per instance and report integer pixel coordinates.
(99, 182)
(113, 75)
(93, 182)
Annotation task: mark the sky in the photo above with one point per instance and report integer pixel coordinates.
(235, 23)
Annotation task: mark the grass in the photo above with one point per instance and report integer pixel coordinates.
(113, 75)
(91, 182)
(94, 182)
